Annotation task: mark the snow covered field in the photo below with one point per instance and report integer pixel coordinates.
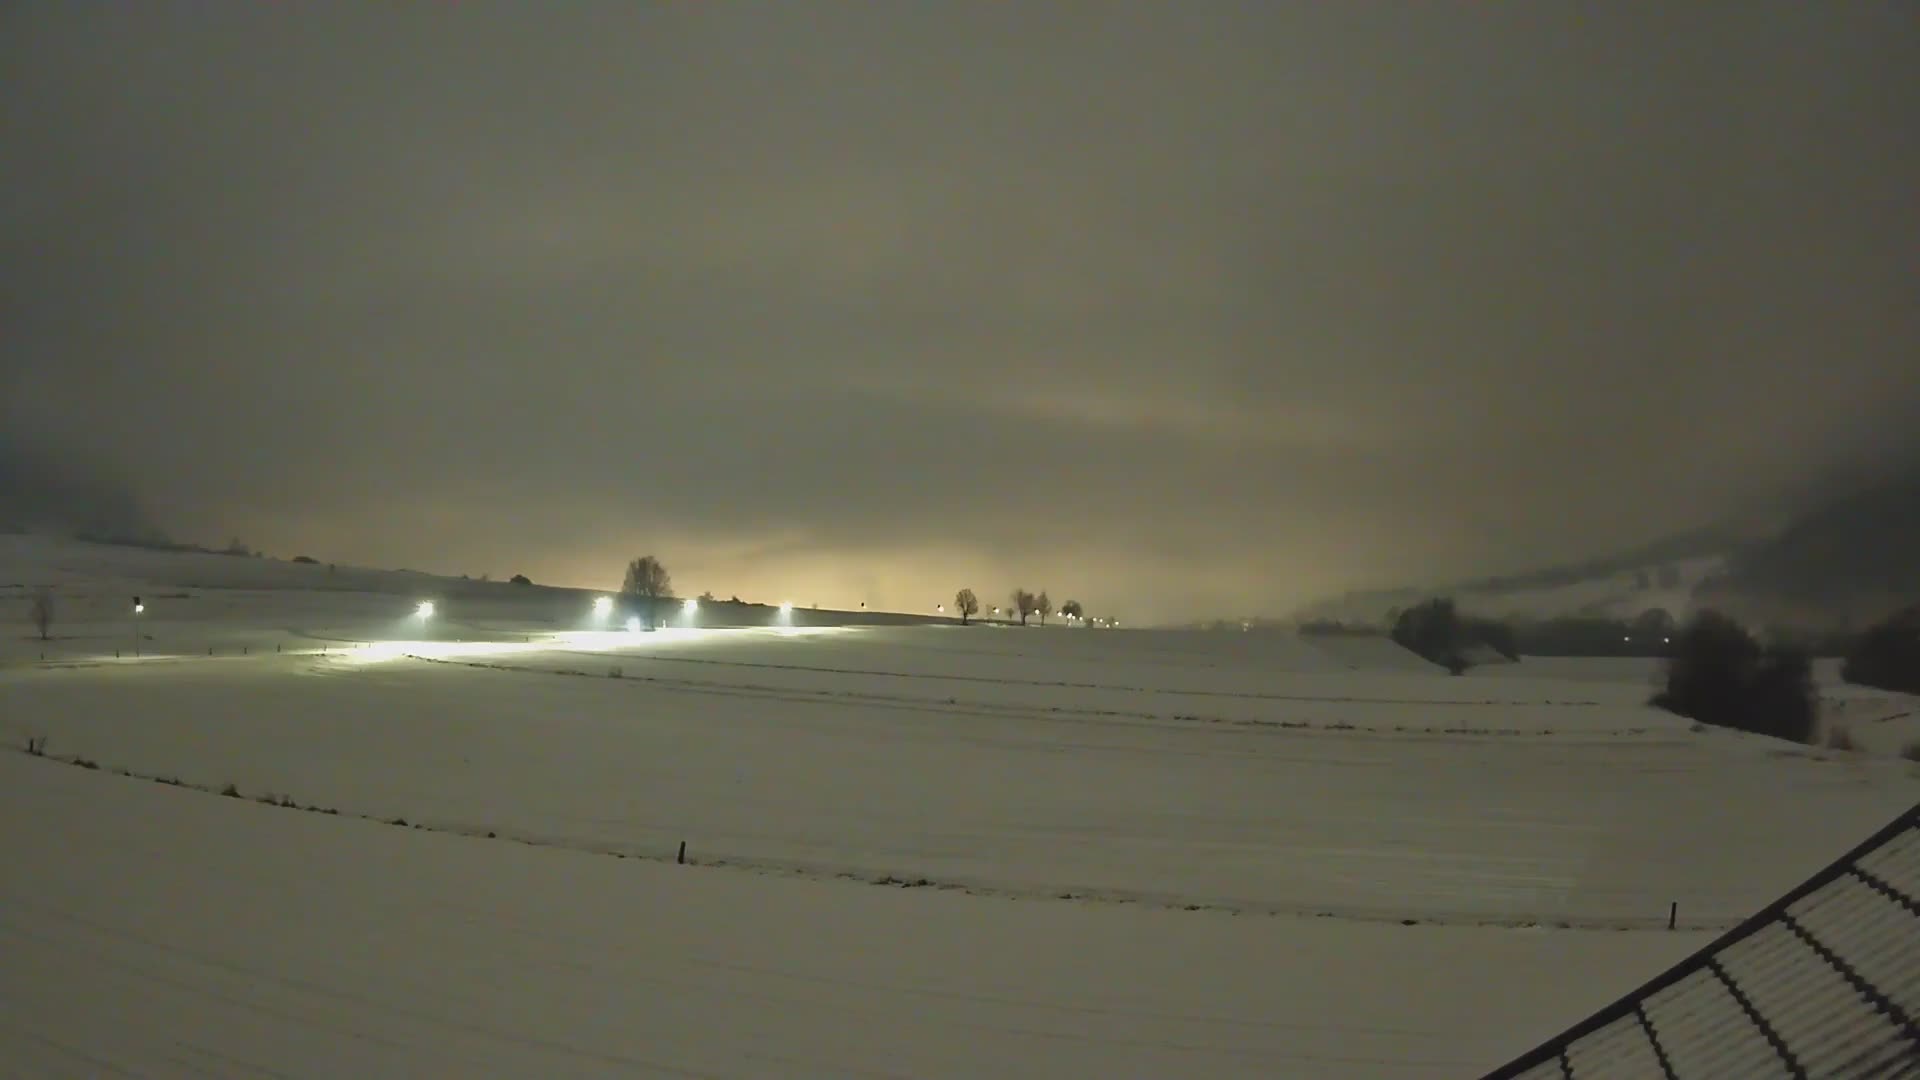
(916, 850)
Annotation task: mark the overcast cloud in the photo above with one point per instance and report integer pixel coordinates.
(1177, 308)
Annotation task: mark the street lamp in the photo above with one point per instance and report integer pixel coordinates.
(602, 605)
(138, 607)
(425, 610)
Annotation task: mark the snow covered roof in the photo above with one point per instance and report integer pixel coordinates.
(1824, 982)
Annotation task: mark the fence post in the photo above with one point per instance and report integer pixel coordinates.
(1673, 914)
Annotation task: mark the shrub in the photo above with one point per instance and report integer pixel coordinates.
(40, 610)
(520, 579)
(1720, 675)
(1432, 630)
(307, 559)
(230, 791)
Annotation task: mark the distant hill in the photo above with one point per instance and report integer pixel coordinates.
(1851, 559)
(46, 492)
(1843, 561)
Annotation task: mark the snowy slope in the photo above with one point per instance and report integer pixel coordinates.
(1335, 820)
(160, 932)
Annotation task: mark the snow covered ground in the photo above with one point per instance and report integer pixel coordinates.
(914, 850)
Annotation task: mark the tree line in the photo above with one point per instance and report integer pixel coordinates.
(1717, 671)
(647, 582)
(1024, 604)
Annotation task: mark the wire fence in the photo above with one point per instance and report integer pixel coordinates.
(1822, 984)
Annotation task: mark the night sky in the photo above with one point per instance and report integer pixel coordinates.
(1180, 309)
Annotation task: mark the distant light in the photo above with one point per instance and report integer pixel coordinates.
(138, 608)
(425, 610)
(633, 624)
(786, 607)
(1668, 640)
(690, 606)
(602, 605)
(939, 607)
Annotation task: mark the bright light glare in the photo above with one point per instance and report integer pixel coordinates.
(691, 605)
(425, 610)
(138, 608)
(633, 623)
(786, 607)
(602, 605)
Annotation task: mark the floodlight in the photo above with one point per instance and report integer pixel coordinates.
(425, 610)
(602, 605)
(633, 623)
(786, 607)
(690, 606)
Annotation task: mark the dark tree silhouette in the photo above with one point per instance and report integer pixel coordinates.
(648, 582)
(1433, 630)
(1719, 674)
(967, 604)
(1072, 610)
(1043, 606)
(1023, 604)
(519, 579)
(41, 612)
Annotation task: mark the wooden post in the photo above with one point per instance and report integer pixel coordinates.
(1673, 914)
(683, 852)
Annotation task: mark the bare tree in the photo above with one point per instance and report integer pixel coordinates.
(1043, 606)
(1072, 610)
(967, 604)
(41, 612)
(1023, 604)
(647, 581)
